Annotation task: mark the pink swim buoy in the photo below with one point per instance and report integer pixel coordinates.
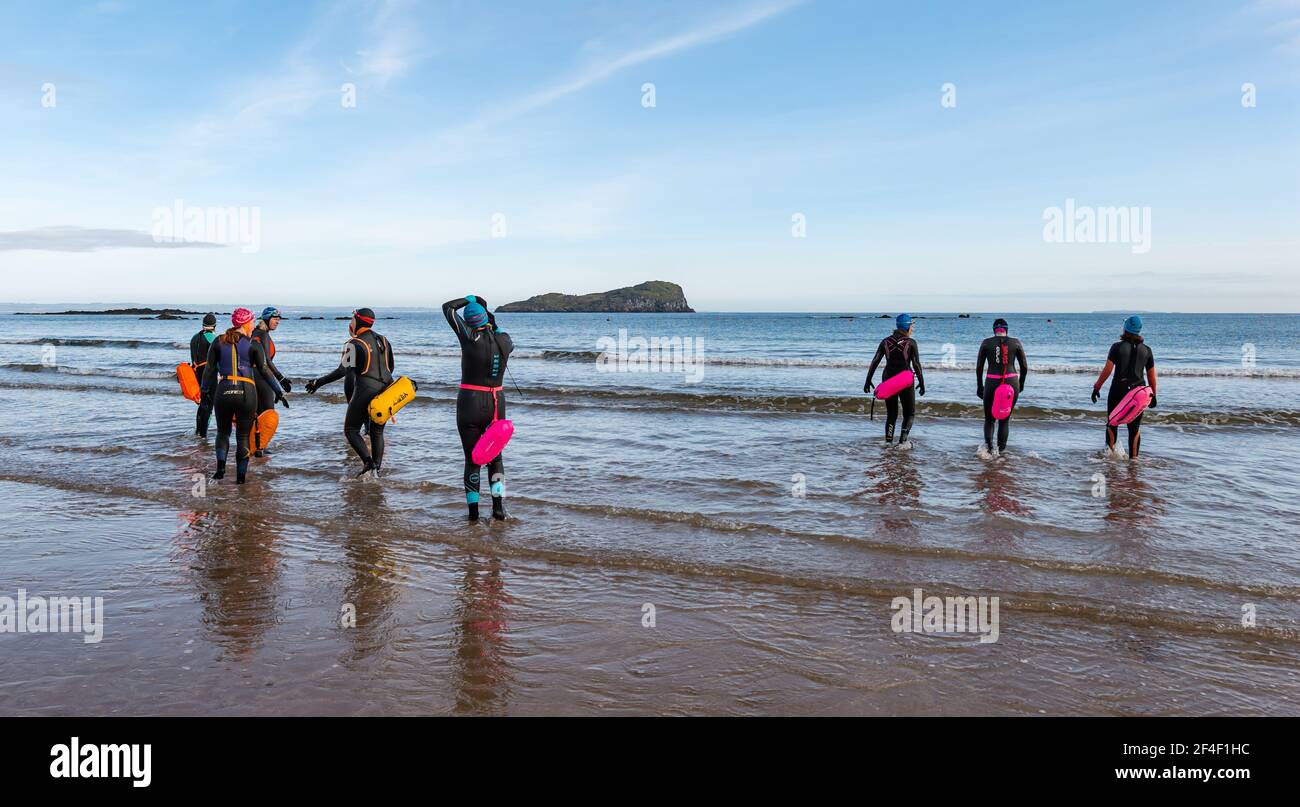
(1130, 406)
(493, 441)
(894, 385)
(1004, 397)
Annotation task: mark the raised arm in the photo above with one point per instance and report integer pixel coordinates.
(457, 324)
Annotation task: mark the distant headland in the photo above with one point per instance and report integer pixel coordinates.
(651, 297)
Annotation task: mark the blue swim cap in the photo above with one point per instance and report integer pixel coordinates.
(1133, 324)
(903, 322)
(475, 315)
(270, 312)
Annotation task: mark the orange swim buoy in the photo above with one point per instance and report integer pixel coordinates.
(190, 387)
(263, 430)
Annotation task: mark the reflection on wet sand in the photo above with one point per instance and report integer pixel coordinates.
(896, 484)
(481, 669)
(1000, 490)
(370, 591)
(234, 566)
(1130, 501)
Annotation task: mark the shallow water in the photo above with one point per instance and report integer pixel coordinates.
(1121, 585)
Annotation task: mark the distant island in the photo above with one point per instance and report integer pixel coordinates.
(651, 297)
(160, 313)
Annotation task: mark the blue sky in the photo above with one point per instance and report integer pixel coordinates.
(764, 109)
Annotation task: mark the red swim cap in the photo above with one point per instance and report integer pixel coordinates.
(241, 317)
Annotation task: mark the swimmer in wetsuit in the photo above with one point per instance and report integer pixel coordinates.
(199, 346)
(1133, 359)
(900, 352)
(484, 350)
(234, 361)
(269, 321)
(367, 367)
(999, 352)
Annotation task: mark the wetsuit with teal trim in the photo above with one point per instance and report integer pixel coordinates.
(199, 346)
(899, 352)
(1132, 359)
(230, 380)
(484, 352)
(367, 370)
(1003, 355)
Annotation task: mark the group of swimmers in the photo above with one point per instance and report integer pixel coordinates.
(241, 383)
(1002, 360)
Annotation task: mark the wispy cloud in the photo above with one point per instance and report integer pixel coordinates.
(392, 45)
(86, 239)
(702, 33)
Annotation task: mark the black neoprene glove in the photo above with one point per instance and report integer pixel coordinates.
(1096, 393)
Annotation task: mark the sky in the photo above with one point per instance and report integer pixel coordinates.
(768, 155)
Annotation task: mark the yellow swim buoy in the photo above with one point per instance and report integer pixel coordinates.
(387, 403)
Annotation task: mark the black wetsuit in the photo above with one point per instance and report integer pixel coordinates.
(483, 356)
(1001, 354)
(1131, 359)
(367, 370)
(900, 353)
(265, 395)
(199, 346)
(229, 380)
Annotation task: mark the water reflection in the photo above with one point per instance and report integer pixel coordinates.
(371, 590)
(235, 568)
(482, 673)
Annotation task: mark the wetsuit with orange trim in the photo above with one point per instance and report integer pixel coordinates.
(484, 351)
(235, 363)
(262, 336)
(367, 366)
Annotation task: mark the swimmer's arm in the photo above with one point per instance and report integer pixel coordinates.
(880, 352)
(457, 324)
(210, 370)
(335, 375)
(257, 357)
(1105, 374)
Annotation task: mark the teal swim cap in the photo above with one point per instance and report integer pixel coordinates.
(475, 315)
(903, 321)
(1133, 324)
